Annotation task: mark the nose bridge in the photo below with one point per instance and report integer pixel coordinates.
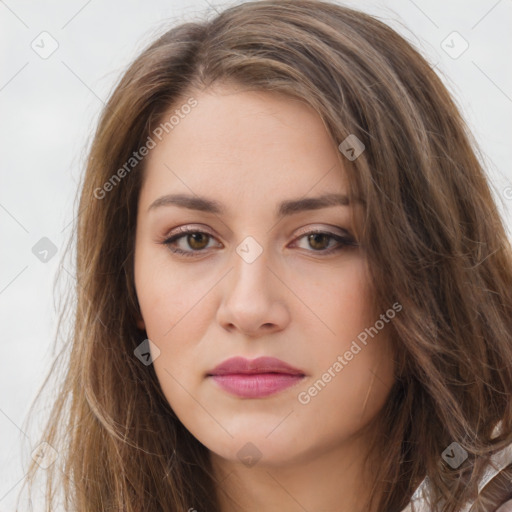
(251, 300)
(251, 272)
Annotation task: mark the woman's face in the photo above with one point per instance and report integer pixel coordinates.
(249, 168)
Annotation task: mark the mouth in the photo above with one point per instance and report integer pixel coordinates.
(256, 378)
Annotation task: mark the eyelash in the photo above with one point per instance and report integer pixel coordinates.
(343, 241)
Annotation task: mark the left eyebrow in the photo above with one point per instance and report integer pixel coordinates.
(285, 208)
(292, 206)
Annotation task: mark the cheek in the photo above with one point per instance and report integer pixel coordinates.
(168, 298)
(177, 310)
(175, 322)
(339, 299)
(352, 361)
(350, 383)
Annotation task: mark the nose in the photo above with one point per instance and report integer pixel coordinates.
(254, 299)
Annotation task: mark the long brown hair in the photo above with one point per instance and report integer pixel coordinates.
(432, 236)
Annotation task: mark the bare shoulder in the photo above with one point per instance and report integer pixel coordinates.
(505, 507)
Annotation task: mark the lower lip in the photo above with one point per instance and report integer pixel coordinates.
(256, 385)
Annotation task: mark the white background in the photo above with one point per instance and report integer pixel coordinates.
(49, 109)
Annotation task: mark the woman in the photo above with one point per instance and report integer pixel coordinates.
(294, 290)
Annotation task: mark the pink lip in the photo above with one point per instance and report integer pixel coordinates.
(255, 378)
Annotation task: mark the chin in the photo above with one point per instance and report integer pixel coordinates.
(256, 449)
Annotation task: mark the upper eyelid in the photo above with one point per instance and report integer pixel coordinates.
(335, 231)
(182, 231)
(332, 230)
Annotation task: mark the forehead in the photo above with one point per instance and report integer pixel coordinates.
(253, 143)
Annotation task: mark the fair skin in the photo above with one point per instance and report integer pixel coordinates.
(250, 151)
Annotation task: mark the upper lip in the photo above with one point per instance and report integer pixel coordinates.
(251, 366)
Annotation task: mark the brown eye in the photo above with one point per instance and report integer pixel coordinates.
(197, 240)
(319, 241)
(189, 242)
(325, 242)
